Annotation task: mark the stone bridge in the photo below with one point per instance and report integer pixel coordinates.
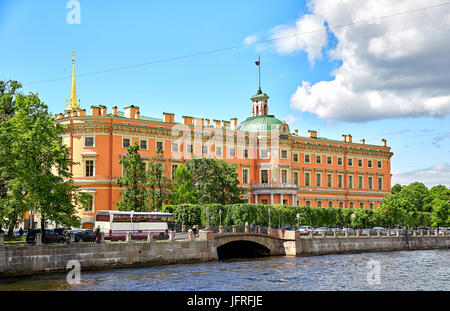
(290, 243)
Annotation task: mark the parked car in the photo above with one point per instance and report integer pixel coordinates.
(399, 230)
(381, 229)
(305, 229)
(64, 231)
(319, 230)
(349, 230)
(365, 231)
(84, 236)
(336, 230)
(50, 236)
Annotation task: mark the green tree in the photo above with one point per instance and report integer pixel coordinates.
(160, 185)
(440, 215)
(215, 180)
(396, 188)
(136, 196)
(36, 165)
(183, 187)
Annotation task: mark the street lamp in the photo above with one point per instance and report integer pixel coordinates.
(298, 220)
(269, 217)
(220, 218)
(207, 218)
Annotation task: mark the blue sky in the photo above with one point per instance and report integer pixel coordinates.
(37, 43)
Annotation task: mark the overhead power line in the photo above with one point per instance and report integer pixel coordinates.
(163, 60)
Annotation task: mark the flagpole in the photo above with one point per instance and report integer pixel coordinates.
(259, 69)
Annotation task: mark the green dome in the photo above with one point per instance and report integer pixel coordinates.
(259, 124)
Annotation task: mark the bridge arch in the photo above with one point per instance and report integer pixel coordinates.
(246, 245)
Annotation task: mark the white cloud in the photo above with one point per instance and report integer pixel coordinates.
(391, 67)
(438, 174)
(308, 34)
(250, 39)
(291, 119)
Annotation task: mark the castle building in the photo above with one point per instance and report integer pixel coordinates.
(274, 164)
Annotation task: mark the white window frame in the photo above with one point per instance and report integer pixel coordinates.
(84, 141)
(293, 178)
(231, 156)
(331, 180)
(309, 158)
(331, 158)
(146, 144)
(84, 167)
(261, 176)
(92, 199)
(318, 157)
(172, 145)
(281, 154)
(319, 180)
(309, 179)
(379, 164)
(342, 161)
(379, 185)
(342, 181)
(293, 157)
(131, 142)
(156, 145)
(207, 150)
(261, 154)
(285, 171)
(362, 162)
(248, 176)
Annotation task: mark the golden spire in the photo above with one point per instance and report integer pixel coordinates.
(73, 104)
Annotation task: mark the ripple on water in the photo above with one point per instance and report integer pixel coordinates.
(415, 270)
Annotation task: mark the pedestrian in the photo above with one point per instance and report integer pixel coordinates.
(21, 231)
(97, 234)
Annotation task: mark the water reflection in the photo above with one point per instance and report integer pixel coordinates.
(416, 270)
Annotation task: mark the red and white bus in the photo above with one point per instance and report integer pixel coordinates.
(116, 224)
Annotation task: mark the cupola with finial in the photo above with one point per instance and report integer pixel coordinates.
(259, 100)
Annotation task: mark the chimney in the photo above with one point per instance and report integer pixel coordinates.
(73, 113)
(137, 115)
(67, 114)
(363, 141)
(344, 137)
(383, 142)
(226, 123)
(82, 113)
(198, 122)
(187, 120)
(114, 111)
(207, 122)
(216, 124)
(168, 117)
(296, 132)
(234, 122)
(130, 112)
(349, 138)
(95, 111)
(102, 110)
(312, 134)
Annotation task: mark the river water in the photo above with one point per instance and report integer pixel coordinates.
(406, 270)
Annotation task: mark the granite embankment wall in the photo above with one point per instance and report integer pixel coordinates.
(341, 245)
(48, 258)
(51, 258)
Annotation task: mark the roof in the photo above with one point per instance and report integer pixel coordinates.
(258, 124)
(259, 95)
(122, 114)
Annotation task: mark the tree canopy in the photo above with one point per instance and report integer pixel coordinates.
(35, 164)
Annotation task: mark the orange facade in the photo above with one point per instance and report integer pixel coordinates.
(275, 166)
